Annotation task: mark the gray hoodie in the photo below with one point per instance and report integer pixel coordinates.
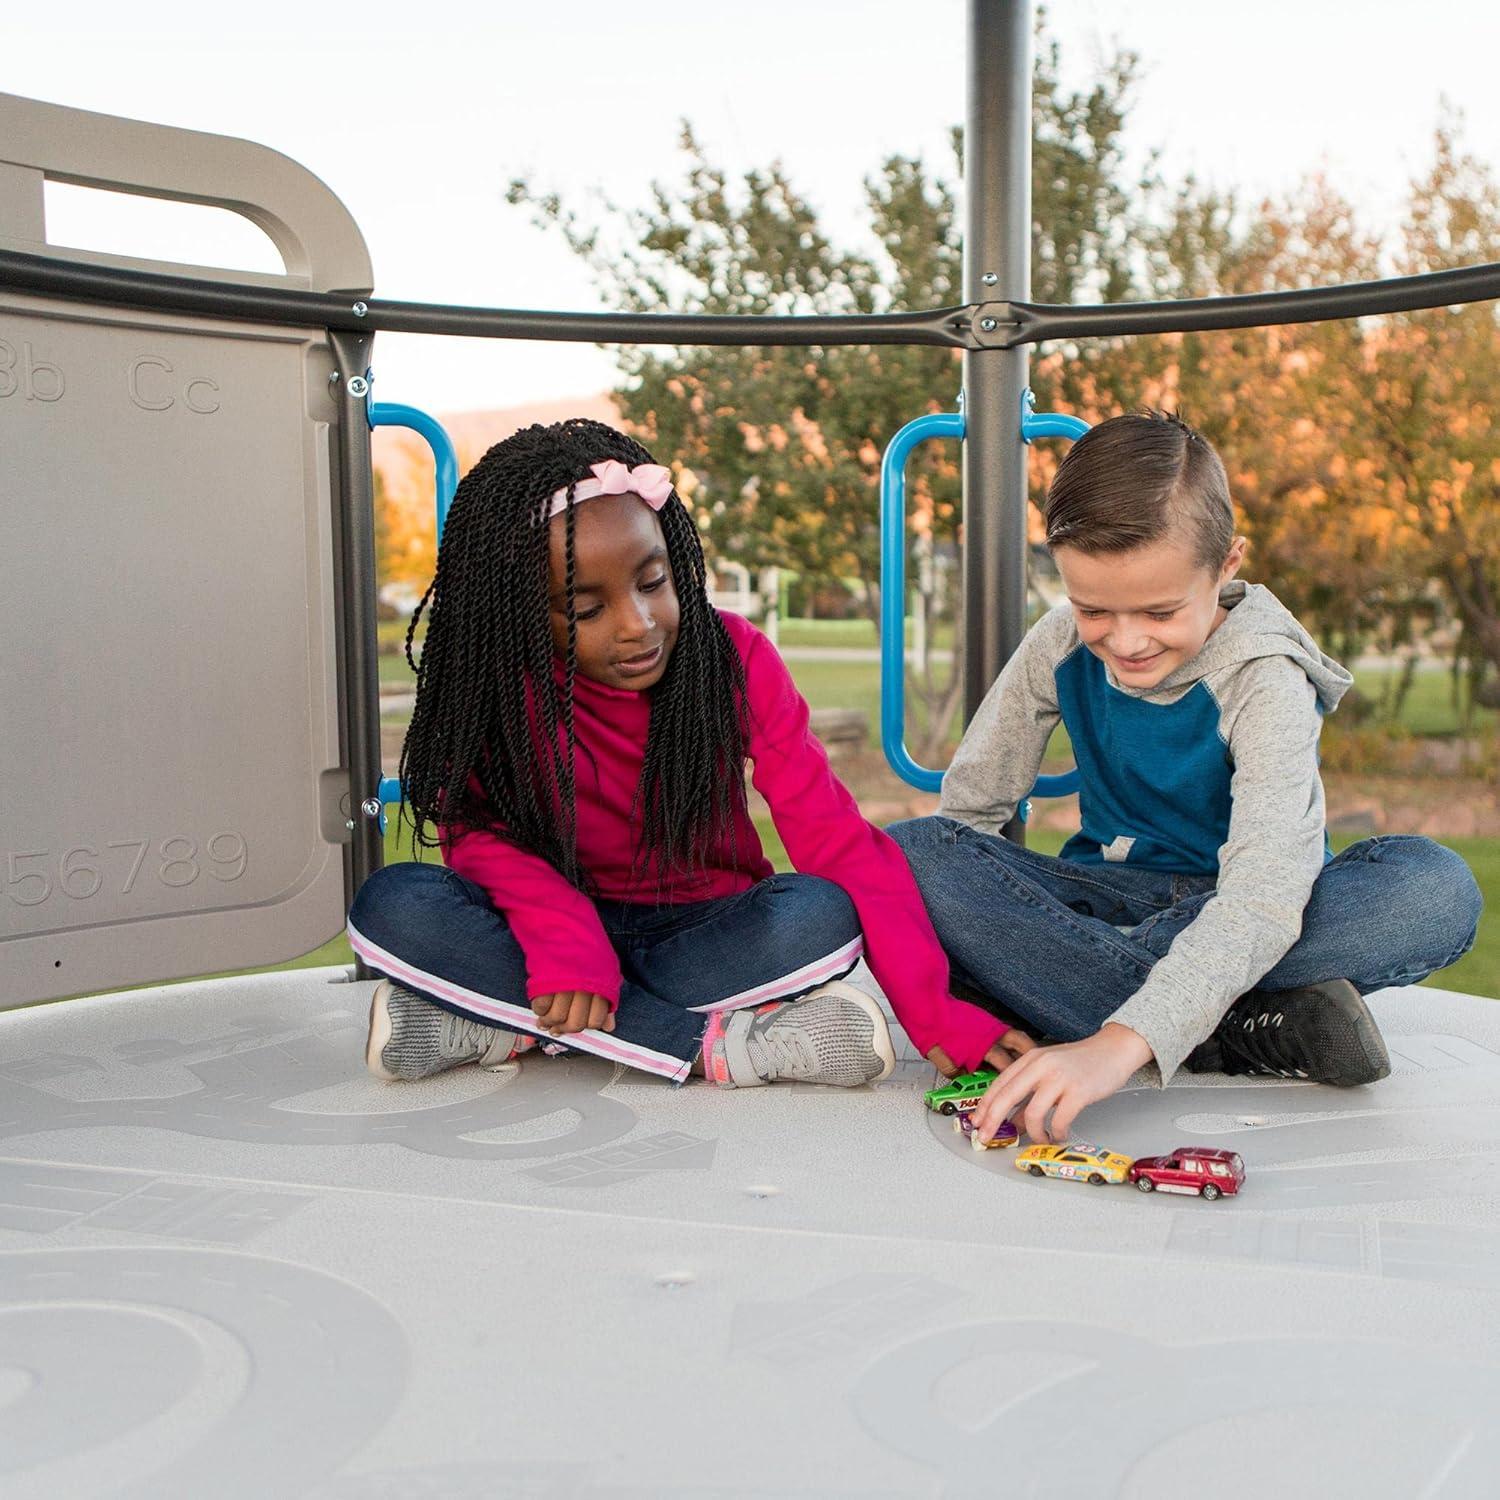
(1214, 771)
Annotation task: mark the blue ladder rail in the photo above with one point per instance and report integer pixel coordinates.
(445, 483)
(893, 584)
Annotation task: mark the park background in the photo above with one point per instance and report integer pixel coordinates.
(1363, 455)
(1172, 159)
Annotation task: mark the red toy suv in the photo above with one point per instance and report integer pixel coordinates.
(1190, 1169)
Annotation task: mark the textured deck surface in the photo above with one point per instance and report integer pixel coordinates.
(231, 1264)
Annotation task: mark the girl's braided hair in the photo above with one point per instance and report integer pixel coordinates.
(490, 704)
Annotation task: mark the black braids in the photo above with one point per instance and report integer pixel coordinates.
(411, 627)
(688, 801)
(548, 792)
(570, 677)
(490, 709)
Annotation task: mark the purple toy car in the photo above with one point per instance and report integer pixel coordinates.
(1006, 1135)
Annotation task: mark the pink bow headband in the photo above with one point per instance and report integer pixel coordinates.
(652, 482)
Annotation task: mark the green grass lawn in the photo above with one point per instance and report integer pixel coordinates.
(838, 633)
(831, 633)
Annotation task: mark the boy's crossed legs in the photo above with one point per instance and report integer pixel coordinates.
(707, 978)
(1041, 937)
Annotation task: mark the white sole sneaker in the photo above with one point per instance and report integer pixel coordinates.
(380, 1033)
(880, 1030)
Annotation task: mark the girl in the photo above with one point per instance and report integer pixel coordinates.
(582, 722)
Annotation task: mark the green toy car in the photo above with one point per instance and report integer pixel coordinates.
(963, 1092)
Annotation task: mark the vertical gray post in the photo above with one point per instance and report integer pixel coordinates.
(997, 268)
(359, 686)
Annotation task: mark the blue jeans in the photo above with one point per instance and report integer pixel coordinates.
(1039, 937)
(437, 934)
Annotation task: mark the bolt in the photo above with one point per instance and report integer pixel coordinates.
(989, 278)
(358, 385)
(333, 378)
(349, 824)
(987, 325)
(360, 309)
(370, 807)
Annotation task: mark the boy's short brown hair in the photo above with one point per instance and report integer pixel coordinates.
(1132, 479)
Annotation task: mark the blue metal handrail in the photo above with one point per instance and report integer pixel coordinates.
(893, 584)
(893, 592)
(1035, 424)
(444, 455)
(445, 483)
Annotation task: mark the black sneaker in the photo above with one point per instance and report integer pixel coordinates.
(1323, 1032)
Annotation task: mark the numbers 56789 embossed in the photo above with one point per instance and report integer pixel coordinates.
(32, 876)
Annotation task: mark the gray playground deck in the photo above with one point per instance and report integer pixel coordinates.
(233, 1264)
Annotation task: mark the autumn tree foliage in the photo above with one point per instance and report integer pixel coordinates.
(405, 527)
(779, 450)
(1363, 454)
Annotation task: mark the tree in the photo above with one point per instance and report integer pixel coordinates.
(1433, 382)
(405, 527)
(778, 450)
(1362, 454)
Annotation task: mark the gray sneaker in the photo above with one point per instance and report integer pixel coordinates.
(412, 1038)
(836, 1035)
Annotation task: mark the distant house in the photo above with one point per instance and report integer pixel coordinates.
(729, 588)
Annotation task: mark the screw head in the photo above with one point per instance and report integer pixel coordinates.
(986, 325)
(370, 807)
(360, 309)
(358, 385)
(989, 278)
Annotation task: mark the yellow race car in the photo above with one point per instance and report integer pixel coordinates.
(1078, 1159)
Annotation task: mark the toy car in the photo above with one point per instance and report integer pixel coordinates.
(1077, 1159)
(1190, 1169)
(963, 1092)
(1006, 1135)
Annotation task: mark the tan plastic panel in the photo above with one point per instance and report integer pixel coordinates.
(170, 770)
(320, 244)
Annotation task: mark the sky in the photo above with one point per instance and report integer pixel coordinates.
(419, 125)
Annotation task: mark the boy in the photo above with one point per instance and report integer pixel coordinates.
(1197, 917)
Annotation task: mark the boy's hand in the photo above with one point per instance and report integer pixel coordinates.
(573, 1010)
(1061, 1081)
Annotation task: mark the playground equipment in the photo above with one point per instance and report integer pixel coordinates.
(230, 1263)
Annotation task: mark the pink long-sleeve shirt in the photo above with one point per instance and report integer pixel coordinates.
(559, 929)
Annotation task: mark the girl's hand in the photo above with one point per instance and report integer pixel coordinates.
(943, 1063)
(573, 1010)
(1009, 1047)
(1060, 1081)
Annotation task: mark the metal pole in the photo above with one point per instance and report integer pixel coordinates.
(997, 269)
(359, 676)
